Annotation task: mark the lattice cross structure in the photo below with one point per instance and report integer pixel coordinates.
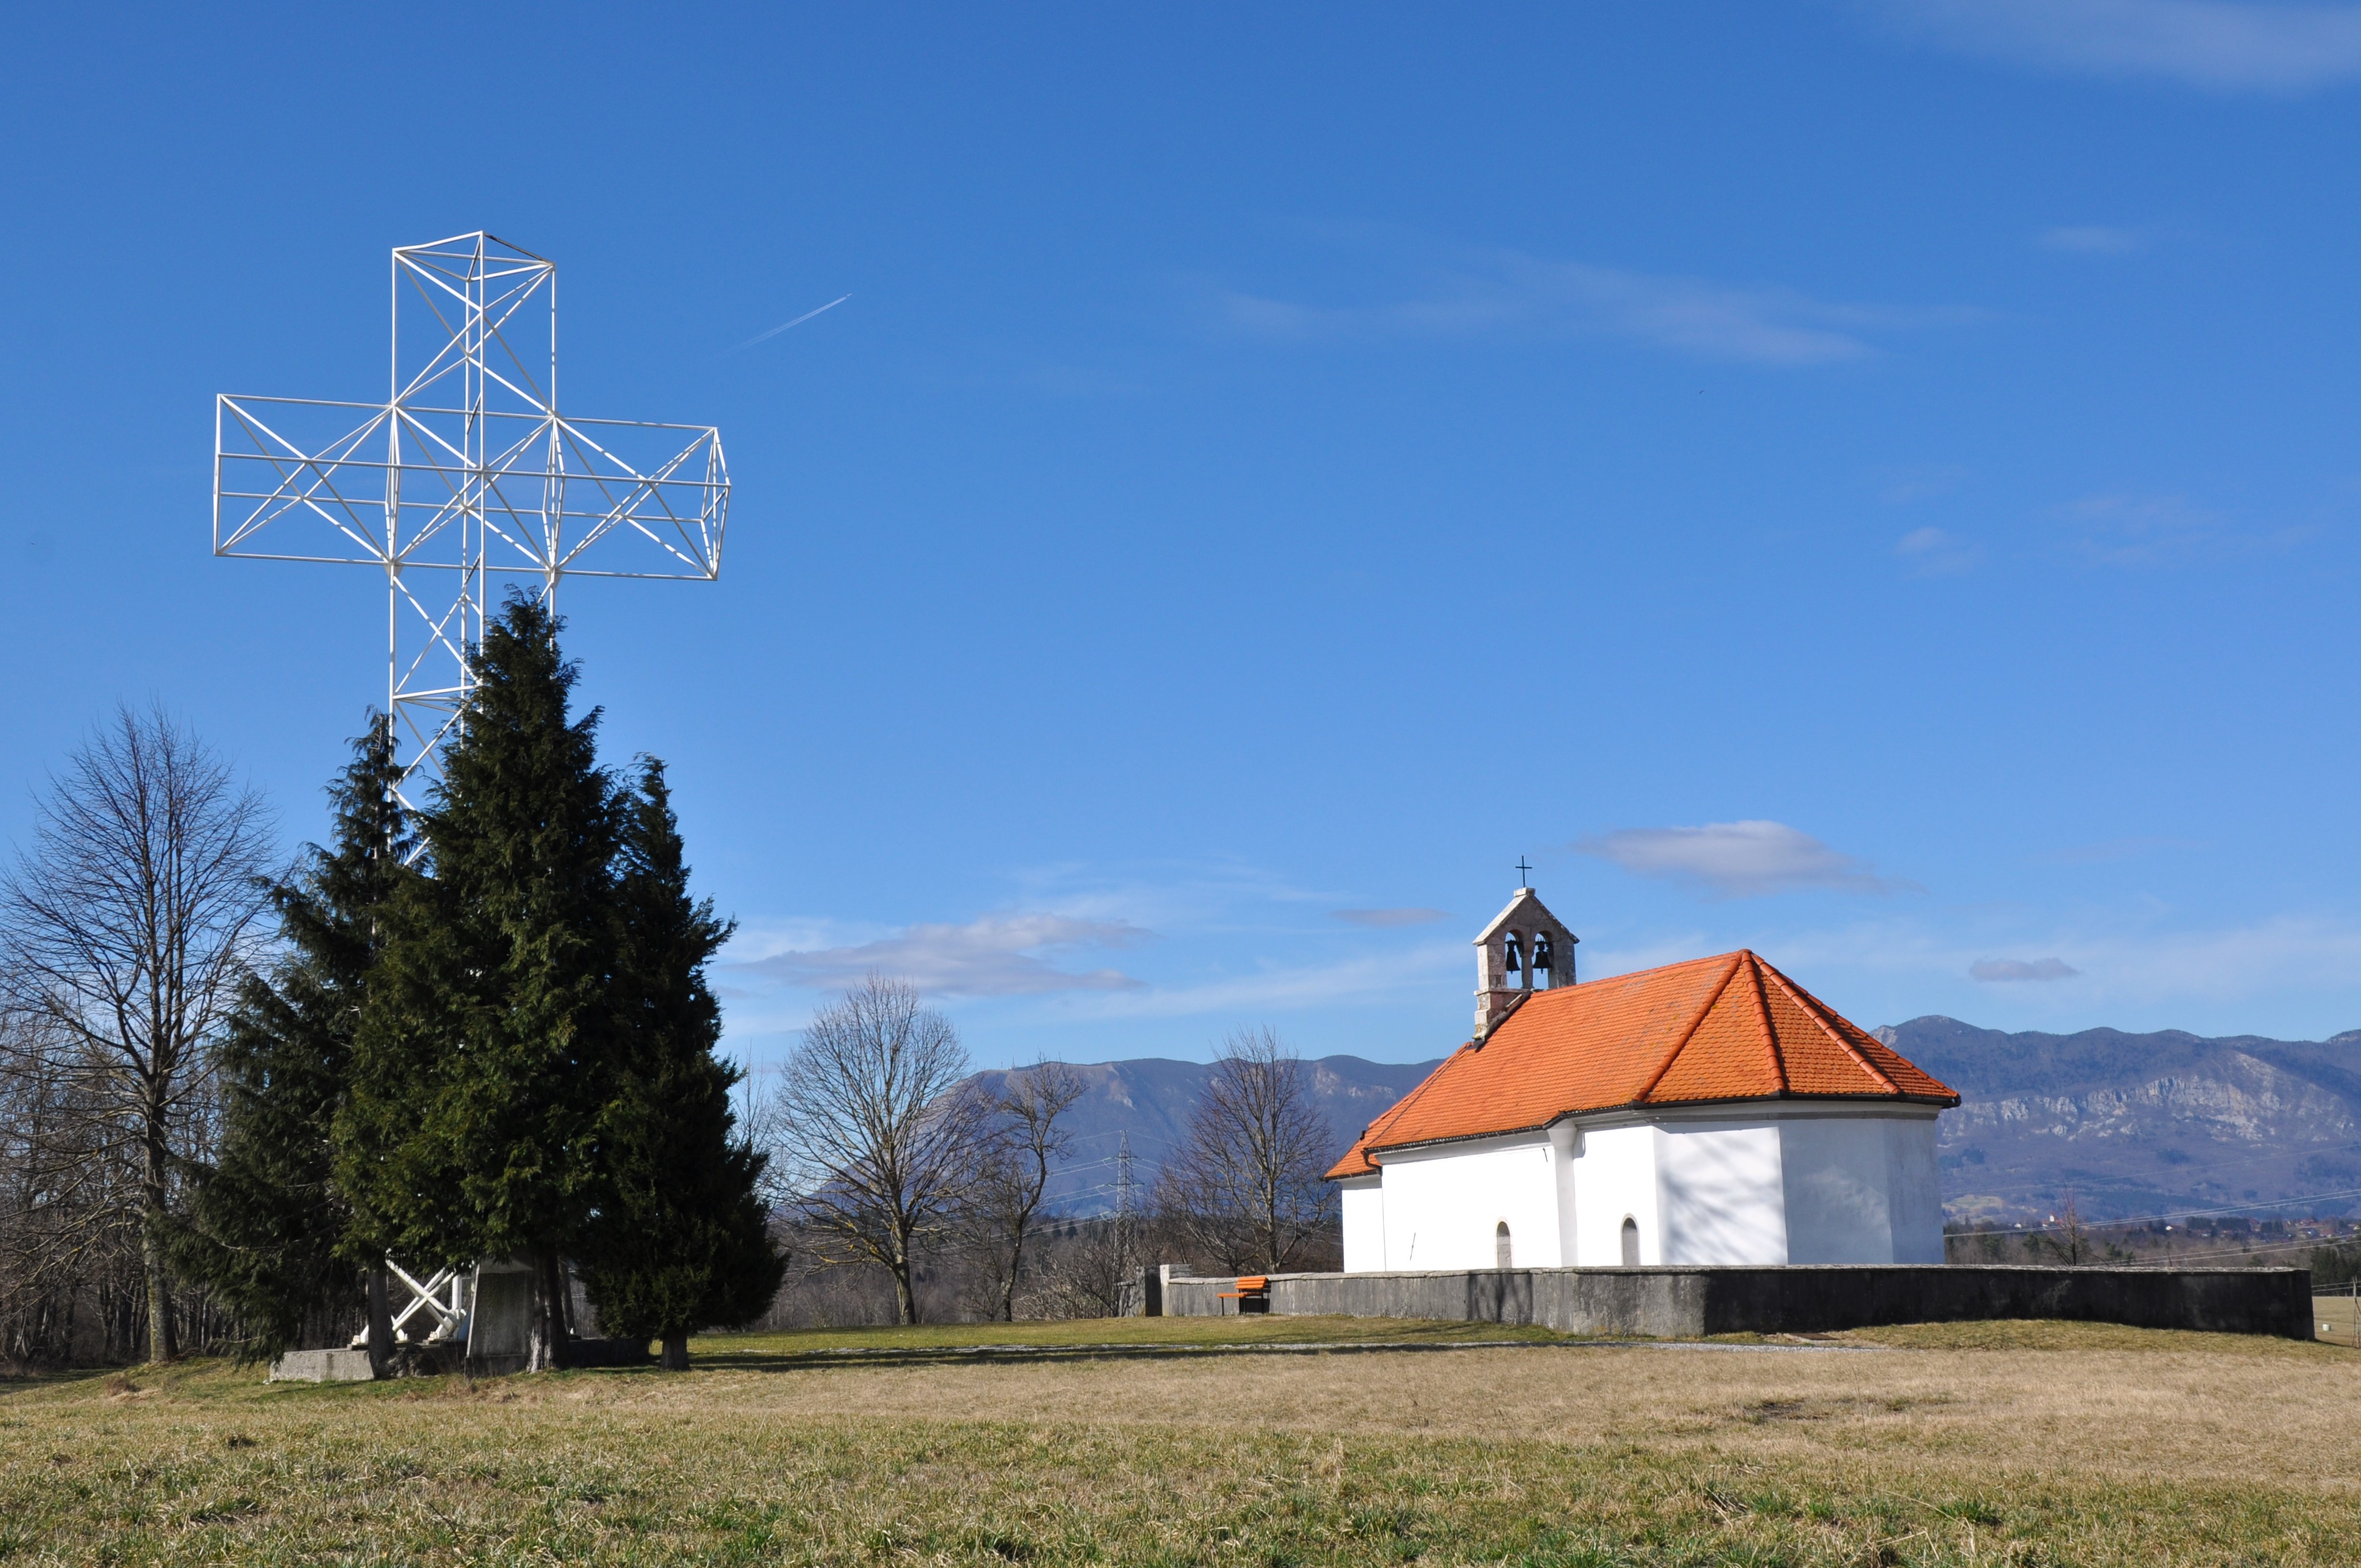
(465, 474)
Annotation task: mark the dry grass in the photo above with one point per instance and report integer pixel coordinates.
(1979, 1444)
(1100, 1333)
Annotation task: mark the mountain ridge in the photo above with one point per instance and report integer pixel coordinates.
(2123, 1124)
(1148, 1097)
(2131, 1125)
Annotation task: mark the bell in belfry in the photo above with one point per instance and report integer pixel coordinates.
(1543, 957)
(1515, 966)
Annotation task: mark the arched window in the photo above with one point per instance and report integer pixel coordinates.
(1502, 1257)
(1631, 1242)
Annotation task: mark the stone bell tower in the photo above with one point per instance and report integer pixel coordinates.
(1523, 951)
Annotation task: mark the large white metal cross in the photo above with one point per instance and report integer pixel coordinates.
(468, 469)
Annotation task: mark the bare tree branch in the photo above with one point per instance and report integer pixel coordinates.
(1024, 1141)
(1246, 1185)
(876, 1134)
(126, 931)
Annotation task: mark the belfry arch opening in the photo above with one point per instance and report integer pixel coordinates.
(1524, 949)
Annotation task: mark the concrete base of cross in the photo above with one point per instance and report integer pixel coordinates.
(322, 1366)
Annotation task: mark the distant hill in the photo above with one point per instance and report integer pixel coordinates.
(2139, 1124)
(2129, 1123)
(1149, 1098)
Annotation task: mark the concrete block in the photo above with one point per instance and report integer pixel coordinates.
(322, 1366)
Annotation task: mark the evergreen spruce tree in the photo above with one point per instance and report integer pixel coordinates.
(270, 1230)
(680, 1239)
(485, 1056)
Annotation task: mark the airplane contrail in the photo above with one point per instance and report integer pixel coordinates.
(783, 325)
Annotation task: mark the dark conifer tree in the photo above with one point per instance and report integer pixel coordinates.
(680, 1239)
(486, 1054)
(269, 1229)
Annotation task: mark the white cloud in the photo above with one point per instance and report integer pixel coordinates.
(1387, 917)
(2091, 239)
(1506, 293)
(2125, 962)
(2219, 45)
(1931, 552)
(999, 954)
(1998, 970)
(1739, 860)
(1286, 987)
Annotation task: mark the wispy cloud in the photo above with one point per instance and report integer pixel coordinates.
(1286, 987)
(1739, 860)
(2112, 849)
(1501, 293)
(2125, 960)
(1909, 484)
(2004, 969)
(1931, 552)
(2091, 239)
(1001, 955)
(2125, 530)
(1387, 917)
(2225, 46)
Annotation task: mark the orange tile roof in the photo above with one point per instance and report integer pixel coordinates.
(1709, 1030)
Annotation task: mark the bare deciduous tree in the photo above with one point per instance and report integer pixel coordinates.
(1246, 1185)
(1024, 1141)
(126, 931)
(876, 1134)
(1092, 1268)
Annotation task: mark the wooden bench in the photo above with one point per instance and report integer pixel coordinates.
(1253, 1294)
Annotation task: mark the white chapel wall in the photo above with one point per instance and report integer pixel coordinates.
(1443, 1205)
(1723, 1200)
(1917, 1188)
(1614, 1177)
(1363, 1201)
(1839, 1182)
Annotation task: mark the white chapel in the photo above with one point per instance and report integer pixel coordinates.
(1708, 1112)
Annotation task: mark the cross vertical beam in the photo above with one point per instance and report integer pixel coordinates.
(466, 473)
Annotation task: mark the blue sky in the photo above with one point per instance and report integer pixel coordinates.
(1871, 482)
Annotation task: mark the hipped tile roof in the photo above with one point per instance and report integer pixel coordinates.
(1709, 1030)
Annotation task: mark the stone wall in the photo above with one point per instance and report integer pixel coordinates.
(1679, 1302)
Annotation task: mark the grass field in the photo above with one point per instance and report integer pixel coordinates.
(1116, 1441)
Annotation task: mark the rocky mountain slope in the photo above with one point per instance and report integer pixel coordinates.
(2141, 1124)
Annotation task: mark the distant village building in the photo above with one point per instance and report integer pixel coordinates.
(1710, 1111)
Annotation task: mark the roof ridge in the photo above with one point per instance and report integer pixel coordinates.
(1642, 973)
(1770, 1031)
(1681, 1043)
(1876, 1048)
(1813, 1009)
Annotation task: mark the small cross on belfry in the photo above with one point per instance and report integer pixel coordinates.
(467, 467)
(1525, 872)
